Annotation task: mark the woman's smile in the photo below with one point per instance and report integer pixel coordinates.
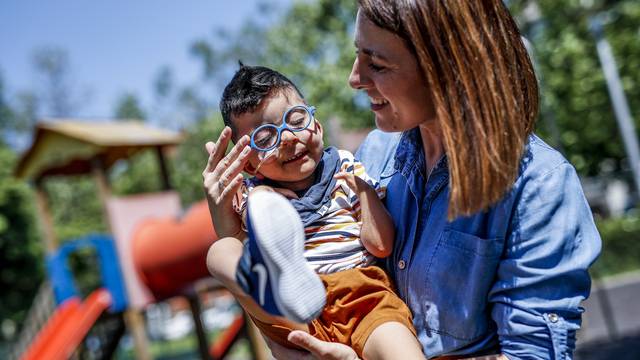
(378, 103)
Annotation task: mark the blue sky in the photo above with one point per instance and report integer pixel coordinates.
(114, 46)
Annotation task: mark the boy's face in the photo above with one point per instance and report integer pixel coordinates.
(299, 153)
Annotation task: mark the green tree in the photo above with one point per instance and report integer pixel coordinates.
(17, 120)
(53, 67)
(6, 113)
(574, 85)
(139, 173)
(191, 157)
(21, 255)
(128, 108)
(311, 43)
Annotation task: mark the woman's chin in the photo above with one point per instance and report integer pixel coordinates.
(385, 124)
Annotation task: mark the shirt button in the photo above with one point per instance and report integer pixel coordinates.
(553, 318)
(401, 264)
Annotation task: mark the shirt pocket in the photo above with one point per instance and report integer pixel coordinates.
(460, 275)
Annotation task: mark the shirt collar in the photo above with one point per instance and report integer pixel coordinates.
(410, 154)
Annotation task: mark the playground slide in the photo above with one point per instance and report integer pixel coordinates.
(68, 325)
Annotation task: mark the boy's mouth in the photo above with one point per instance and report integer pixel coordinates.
(295, 157)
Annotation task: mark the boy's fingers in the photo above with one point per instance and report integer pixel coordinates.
(221, 144)
(346, 177)
(210, 147)
(216, 150)
(224, 163)
(210, 163)
(232, 187)
(342, 175)
(238, 165)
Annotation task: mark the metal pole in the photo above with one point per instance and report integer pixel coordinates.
(618, 98)
(533, 16)
(201, 333)
(164, 170)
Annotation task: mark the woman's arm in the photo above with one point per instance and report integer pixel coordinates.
(377, 232)
(542, 276)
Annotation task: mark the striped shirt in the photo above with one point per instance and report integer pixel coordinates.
(333, 241)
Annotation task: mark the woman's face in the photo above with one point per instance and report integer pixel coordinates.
(388, 71)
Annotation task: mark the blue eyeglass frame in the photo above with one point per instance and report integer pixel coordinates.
(311, 110)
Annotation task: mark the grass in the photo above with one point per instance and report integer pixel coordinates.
(620, 245)
(183, 348)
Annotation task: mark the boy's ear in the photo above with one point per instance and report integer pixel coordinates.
(319, 127)
(251, 170)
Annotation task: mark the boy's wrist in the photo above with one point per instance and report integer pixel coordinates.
(363, 187)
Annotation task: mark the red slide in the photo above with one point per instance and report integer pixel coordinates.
(69, 324)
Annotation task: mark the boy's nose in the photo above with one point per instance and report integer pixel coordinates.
(287, 137)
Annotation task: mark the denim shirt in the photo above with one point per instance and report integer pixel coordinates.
(508, 279)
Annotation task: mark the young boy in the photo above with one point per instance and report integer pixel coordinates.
(326, 235)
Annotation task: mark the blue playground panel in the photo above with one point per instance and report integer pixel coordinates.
(62, 279)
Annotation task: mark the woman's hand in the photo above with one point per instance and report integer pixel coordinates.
(317, 349)
(222, 178)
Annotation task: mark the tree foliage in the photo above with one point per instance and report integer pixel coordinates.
(21, 255)
(574, 87)
(57, 92)
(311, 43)
(191, 157)
(128, 108)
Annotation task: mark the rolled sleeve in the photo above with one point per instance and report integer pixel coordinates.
(376, 153)
(542, 277)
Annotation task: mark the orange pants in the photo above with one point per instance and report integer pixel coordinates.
(358, 301)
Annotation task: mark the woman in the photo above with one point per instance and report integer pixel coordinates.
(494, 236)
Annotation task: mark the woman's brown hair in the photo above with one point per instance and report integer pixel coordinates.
(483, 84)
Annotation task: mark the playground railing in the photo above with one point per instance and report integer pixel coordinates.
(42, 308)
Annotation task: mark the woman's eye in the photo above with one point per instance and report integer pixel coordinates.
(376, 68)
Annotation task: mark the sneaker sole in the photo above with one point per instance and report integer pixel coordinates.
(298, 290)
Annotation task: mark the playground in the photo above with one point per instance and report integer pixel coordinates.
(103, 122)
(151, 262)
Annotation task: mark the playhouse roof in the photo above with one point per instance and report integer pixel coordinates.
(68, 146)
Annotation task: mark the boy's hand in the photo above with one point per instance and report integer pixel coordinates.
(222, 177)
(357, 184)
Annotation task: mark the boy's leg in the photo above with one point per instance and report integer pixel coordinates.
(222, 262)
(270, 268)
(392, 340)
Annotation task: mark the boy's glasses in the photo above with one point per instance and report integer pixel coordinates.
(267, 137)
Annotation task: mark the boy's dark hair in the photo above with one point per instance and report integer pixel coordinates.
(248, 87)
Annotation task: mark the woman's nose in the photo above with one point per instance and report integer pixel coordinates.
(356, 78)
